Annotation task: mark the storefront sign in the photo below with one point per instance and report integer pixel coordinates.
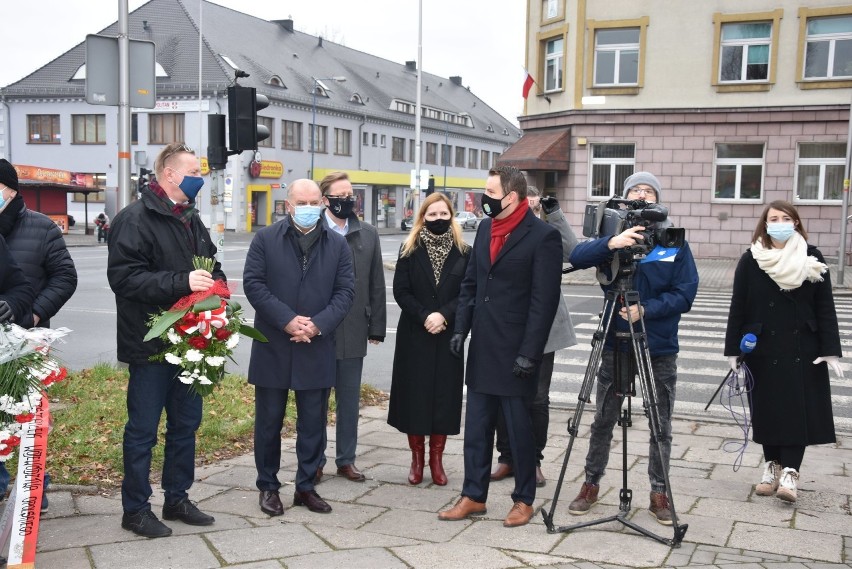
(38, 174)
(266, 169)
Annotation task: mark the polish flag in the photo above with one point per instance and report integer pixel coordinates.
(528, 83)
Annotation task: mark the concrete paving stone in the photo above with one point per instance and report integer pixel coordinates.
(74, 558)
(710, 488)
(786, 565)
(720, 456)
(739, 564)
(700, 530)
(181, 552)
(813, 545)
(244, 460)
(586, 565)
(383, 455)
(630, 550)
(342, 515)
(408, 497)
(234, 477)
(87, 504)
(823, 522)
(80, 531)
(202, 472)
(358, 559)
(341, 538)
(255, 544)
(738, 557)
(223, 522)
(268, 564)
(810, 480)
(819, 501)
(424, 526)
(538, 559)
(811, 565)
(374, 412)
(453, 556)
(702, 557)
(237, 502)
(382, 439)
(532, 537)
(340, 489)
(677, 560)
(61, 505)
(768, 511)
(745, 474)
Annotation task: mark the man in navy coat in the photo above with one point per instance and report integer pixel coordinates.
(299, 279)
(508, 300)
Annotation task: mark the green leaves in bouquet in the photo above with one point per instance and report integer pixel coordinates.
(209, 303)
(160, 324)
(15, 379)
(204, 263)
(252, 333)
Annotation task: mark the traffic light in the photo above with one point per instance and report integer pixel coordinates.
(244, 132)
(217, 153)
(431, 186)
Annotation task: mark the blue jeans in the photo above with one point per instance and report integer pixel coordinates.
(153, 388)
(347, 393)
(609, 410)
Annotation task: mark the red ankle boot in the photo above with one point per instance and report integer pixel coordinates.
(436, 453)
(417, 444)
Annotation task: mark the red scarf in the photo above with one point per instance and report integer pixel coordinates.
(501, 228)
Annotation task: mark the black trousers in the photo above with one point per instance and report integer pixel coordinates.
(480, 421)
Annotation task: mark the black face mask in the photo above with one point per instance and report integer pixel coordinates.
(341, 208)
(492, 206)
(438, 226)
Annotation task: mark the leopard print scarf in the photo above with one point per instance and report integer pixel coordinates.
(437, 247)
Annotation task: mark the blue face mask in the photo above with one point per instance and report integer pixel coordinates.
(306, 215)
(190, 186)
(2, 200)
(780, 231)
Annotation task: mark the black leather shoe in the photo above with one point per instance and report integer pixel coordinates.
(312, 501)
(318, 476)
(145, 523)
(540, 480)
(350, 472)
(188, 513)
(270, 503)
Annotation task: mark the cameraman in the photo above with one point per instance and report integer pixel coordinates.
(667, 282)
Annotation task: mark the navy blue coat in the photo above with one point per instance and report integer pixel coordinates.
(15, 289)
(509, 306)
(279, 291)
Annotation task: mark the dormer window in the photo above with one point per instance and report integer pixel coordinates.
(356, 98)
(276, 81)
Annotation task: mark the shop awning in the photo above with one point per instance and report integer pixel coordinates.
(539, 150)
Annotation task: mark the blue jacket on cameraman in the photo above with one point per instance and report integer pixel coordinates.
(666, 279)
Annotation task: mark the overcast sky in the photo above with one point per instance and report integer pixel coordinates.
(480, 40)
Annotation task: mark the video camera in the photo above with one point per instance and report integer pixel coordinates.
(616, 215)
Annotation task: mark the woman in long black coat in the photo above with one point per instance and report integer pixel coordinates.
(782, 295)
(426, 390)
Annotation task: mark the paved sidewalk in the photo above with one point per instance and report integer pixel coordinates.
(386, 523)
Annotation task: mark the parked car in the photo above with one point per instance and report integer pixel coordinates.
(468, 220)
(407, 224)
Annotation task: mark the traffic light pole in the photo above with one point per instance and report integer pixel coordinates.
(217, 228)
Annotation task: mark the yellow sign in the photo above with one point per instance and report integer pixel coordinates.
(205, 167)
(271, 169)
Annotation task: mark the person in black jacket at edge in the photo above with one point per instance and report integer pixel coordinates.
(38, 248)
(151, 246)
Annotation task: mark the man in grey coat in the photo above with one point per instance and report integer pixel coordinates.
(365, 321)
(561, 336)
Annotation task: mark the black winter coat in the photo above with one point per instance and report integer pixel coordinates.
(426, 389)
(791, 399)
(39, 249)
(150, 258)
(14, 288)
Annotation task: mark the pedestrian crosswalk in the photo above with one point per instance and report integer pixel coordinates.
(701, 363)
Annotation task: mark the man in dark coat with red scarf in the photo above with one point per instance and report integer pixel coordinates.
(508, 300)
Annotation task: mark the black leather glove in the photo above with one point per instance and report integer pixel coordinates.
(549, 204)
(457, 344)
(524, 367)
(6, 314)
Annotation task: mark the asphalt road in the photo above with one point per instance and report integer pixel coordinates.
(91, 315)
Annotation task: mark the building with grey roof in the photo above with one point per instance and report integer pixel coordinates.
(365, 123)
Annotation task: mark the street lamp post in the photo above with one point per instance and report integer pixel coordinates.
(318, 83)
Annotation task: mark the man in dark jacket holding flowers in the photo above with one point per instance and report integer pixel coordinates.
(151, 248)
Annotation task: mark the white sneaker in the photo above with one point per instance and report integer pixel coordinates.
(769, 483)
(787, 487)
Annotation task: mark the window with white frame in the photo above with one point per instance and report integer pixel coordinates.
(745, 51)
(739, 171)
(551, 9)
(291, 135)
(828, 53)
(342, 142)
(268, 122)
(611, 165)
(616, 56)
(553, 65)
(819, 171)
(319, 140)
(89, 129)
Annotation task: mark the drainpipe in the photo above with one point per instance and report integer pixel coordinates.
(361, 146)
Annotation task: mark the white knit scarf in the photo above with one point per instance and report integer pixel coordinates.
(791, 266)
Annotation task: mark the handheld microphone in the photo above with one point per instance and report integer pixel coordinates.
(747, 345)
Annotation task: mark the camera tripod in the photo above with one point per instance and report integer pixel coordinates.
(631, 358)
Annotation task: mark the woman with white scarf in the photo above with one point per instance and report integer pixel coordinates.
(782, 295)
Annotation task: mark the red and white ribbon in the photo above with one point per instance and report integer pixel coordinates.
(207, 321)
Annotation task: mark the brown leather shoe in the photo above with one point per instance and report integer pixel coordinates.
(501, 471)
(318, 476)
(270, 503)
(463, 509)
(519, 515)
(660, 508)
(350, 472)
(312, 501)
(540, 480)
(584, 501)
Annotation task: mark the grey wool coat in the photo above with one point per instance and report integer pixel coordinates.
(562, 331)
(367, 319)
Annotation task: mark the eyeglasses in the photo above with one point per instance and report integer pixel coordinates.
(176, 150)
(643, 192)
